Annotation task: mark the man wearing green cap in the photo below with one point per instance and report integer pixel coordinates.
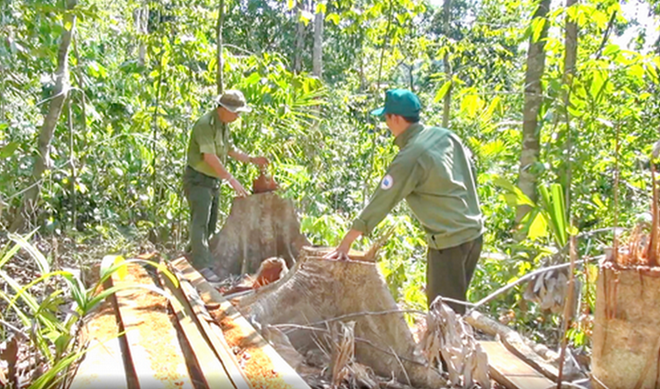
(433, 172)
(210, 144)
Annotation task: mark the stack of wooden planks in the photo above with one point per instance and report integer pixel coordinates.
(142, 339)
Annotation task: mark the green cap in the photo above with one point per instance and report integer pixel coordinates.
(400, 102)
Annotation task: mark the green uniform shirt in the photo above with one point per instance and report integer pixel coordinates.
(433, 172)
(208, 136)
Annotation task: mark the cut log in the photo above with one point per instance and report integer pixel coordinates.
(511, 372)
(102, 366)
(316, 290)
(626, 340)
(211, 333)
(259, 226)
(514, 342)
(281, 374)
(211, 367)
(153, 348)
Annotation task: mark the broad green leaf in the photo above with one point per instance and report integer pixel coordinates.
(611, 49)
(333, 17)
(538, 228)
(538, 25)
(8, 150)
(116, 262)
(596, 200)
(471, 105)
(442, 91)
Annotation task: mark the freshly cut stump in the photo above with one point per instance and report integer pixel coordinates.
(626, 340)
(259, 226)
(317, 289)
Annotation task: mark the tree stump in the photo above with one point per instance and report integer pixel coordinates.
(316, 290)
(626, 340)
(259, 226)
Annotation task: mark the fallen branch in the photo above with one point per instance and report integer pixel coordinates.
(357, 339)
(365, 313)
(514, 342)
(520, 280)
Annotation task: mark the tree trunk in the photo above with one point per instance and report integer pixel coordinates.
(60, 94)
(221, 17)
(570, 60)
(317, 59)
(446, 106)
(141, 26)
(533, 99)
(300, 39)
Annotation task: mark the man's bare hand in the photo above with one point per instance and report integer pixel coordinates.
(260, 161)
(341, 252)
(338, 254)
(238, 188)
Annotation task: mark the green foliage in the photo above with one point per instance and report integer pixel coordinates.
(119, 149)
(54, 335)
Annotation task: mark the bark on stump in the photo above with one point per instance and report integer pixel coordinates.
(316, 290)
(259, 226)
(626, 340)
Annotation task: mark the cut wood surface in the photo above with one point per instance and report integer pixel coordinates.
(514, 342)
(153, 345)
(222, 309)
(102, 366)
(508, 370)
(317, 289)
(626, 337)
(213, 335)
(209, 365)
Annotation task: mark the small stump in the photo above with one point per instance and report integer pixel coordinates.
(626, 339)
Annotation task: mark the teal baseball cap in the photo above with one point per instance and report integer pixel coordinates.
(400, 102)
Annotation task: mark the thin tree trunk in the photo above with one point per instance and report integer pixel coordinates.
(219, 27)
(384, 44)
(141, 26)
(300, 39)
(317, 55)
(72, 163)
(527, 179)
(60, 94)
(83, 111)
(570, 60)
(446, 106)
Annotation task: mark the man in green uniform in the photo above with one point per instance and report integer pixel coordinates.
(434, 173)
(210, 144)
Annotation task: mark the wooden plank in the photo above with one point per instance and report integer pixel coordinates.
(213, 298)
(153, 347)
(103, 365)
(508, 370)
(212, 370)
(213, 334)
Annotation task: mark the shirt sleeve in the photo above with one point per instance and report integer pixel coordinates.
(204, 137)
(401, 179)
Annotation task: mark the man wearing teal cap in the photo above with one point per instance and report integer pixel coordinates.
(433, 172)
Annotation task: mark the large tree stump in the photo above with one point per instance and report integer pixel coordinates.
(259, 226)
(626, 340)
(317, 289)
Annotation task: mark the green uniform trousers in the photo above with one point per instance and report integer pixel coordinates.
(203, 195)
(449, 272)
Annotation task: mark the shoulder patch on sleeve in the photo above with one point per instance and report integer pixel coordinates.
(387, 182)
